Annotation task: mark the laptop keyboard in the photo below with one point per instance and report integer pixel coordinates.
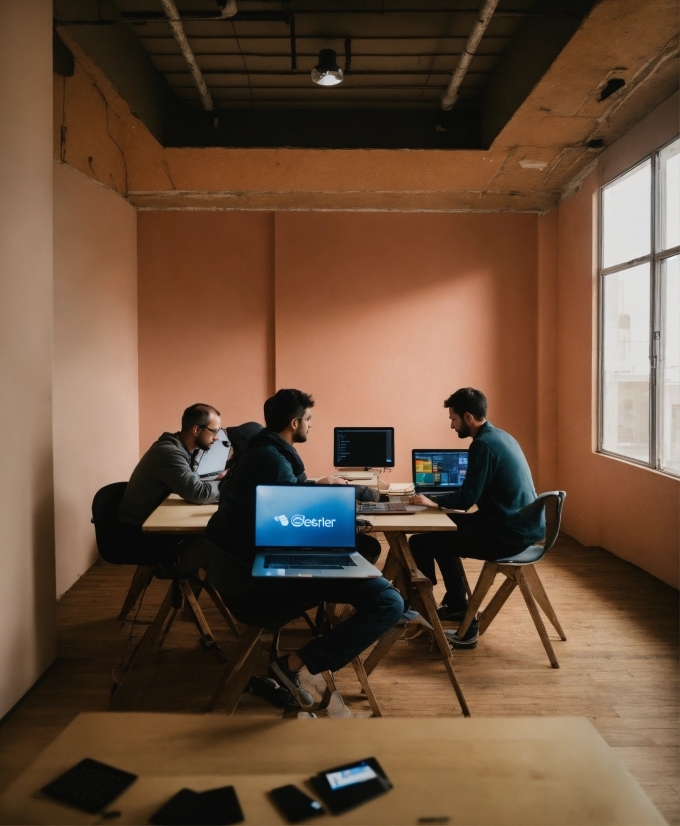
(376, 507)
(308, 561)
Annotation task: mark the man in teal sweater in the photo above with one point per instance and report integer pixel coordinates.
(499, 482)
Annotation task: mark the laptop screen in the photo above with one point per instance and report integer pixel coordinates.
(215, 459)
(360, 447)
(439, 469)
(305, 516)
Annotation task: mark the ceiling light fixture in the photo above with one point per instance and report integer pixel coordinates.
(327, 72)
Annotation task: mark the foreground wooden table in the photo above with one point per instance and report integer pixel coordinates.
(541, 770)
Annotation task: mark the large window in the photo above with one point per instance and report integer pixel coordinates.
(640, 313)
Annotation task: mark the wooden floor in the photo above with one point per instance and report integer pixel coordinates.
(619, 666)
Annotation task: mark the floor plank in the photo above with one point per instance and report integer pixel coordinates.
(618, 667)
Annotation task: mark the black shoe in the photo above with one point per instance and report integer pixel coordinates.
(447, 614)
(291, 680)
(469, 639)
(271, 691)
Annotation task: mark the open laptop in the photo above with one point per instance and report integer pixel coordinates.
(213, 461)
(388, 507)
(439, 471)
(308, 531)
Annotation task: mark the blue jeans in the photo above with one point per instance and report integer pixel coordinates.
(378, 605)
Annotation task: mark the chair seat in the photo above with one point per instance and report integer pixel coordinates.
(526, 557)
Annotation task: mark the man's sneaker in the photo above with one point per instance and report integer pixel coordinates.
(291, 680)
(271, 691)
(446, 614)
(469, 639)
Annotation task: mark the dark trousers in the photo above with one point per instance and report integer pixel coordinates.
(273, 603)
(472, 539)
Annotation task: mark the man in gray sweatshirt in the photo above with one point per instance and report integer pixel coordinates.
(170, 465)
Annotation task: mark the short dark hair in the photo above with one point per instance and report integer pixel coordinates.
(286, 405)
(197, 414)
(468, 400)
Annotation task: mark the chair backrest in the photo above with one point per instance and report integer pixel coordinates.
(105, 517)
(552, 502)
(107, 501)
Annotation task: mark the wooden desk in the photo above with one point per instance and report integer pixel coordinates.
(541, 770)
(177, 515)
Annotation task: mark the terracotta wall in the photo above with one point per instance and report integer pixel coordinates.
(380, 316)
(96, 404)
(632, 511)
(205, 315)
(27, 604)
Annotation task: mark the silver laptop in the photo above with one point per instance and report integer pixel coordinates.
(213, 461)
(388, 507)
(439, 471)
(308, 531)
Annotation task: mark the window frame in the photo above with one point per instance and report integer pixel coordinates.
(654, 259)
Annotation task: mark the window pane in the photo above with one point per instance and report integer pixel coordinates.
(669, 373)
(625, 419)
(669, 196)
(626, 216)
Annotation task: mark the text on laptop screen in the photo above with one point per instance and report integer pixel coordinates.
(445, 468)
(305, 516)
(360, 447)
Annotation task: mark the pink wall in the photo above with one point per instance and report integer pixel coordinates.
(380, 316)
(95, 393)
(27, 605)
(632, 511)
(205, 315)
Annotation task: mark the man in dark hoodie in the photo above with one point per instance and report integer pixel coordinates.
(169, 466)
(270, 458)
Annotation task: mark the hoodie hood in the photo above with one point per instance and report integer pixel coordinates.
(240, 435)
(269, 437)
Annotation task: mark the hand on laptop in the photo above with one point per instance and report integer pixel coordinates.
(331, 480)
(419, 499)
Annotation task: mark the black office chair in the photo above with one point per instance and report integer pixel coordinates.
(520, 570)
(119, 544)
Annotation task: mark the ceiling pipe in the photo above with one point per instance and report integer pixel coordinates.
(450, 96)
(178, 33)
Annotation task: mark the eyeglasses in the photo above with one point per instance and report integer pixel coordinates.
(214, 431)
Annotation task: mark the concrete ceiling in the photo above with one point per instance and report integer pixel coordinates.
(545, 138)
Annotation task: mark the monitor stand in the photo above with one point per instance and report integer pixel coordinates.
(368, 477)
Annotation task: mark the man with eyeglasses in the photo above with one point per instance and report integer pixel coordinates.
(170, 465)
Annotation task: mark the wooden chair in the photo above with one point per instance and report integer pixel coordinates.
(519, 570)
(241, 667)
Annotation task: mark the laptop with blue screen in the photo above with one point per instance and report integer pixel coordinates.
(308, 531)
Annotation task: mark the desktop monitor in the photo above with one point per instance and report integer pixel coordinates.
(363, 447)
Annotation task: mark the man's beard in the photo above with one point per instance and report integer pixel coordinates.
(464, 431)
(299, 437)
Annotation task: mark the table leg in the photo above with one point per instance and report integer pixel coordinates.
(420, 595)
